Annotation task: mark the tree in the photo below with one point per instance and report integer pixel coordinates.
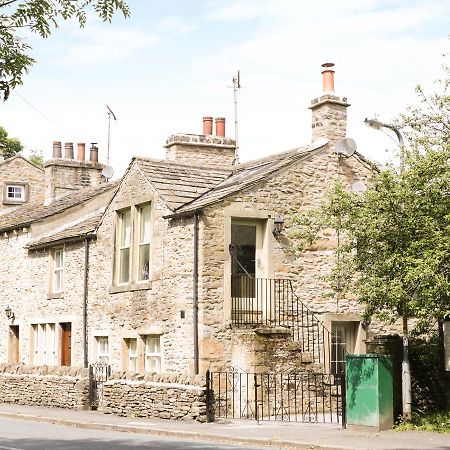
(37, 157)
(393, 248)
(9, 146)
(40, 17)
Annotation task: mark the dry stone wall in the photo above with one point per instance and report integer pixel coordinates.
(156, 396)
(62, 387)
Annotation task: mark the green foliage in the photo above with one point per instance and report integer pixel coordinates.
(438, 422)
(393, 248)
(40, 17)
(37, 158)
(9, 146)
(427, 377)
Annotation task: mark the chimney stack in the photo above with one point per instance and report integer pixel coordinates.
(329, 111)
(81, 153)
(94, 152)
(57, 150)
(328, 78)
(207, 125)
(220, 126)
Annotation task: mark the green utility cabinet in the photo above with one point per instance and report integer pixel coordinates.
(369, 392)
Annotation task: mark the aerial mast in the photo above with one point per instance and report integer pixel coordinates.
(110, 114)
(236, 87)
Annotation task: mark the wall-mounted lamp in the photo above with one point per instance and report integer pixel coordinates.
(9, 313)
(279, 225)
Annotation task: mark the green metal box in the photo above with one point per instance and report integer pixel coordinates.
(369, 392)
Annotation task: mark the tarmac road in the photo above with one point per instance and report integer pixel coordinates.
(20, 435)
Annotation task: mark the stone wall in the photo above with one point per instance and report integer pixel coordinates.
(62, 387)
(162, 396)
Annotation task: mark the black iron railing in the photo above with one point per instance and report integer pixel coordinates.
(272, 302)
(298, 397)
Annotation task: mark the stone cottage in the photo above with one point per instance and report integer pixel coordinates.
(185, 264)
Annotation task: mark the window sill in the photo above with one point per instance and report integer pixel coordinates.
(130, 287)
(10, 201)
(55, 295)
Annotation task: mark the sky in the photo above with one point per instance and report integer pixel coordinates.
(172, 62)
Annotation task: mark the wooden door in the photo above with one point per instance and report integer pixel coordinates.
(66, 343)
(13, 348)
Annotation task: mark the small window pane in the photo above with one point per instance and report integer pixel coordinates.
(125, 231)
(15, 192)
(58, 281)
(124, 265)
(144, 226)
(144, 262)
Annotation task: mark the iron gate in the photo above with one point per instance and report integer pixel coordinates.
(99, 372)
(293, 396)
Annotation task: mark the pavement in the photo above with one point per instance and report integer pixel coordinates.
(285, 435)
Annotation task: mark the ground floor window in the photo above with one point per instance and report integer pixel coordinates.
(343, 341)
(153, 354)
(44, 344)
(132, 355)
(102, 349)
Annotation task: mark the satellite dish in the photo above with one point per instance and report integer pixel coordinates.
(346, 147)
(358, 187)
(108, 172)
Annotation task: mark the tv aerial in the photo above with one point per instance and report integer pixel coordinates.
(346, 147)
(110, 114)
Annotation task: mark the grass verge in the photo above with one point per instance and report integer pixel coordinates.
(438, 422)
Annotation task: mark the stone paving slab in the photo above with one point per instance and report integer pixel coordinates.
(271, 434)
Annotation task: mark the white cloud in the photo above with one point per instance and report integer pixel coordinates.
(175, 25)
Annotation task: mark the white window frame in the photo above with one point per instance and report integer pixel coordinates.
(143, 241)
(152, 355)
(132, 355)
(100, 353)
(57, 269)
(15, 187)
(121, 247)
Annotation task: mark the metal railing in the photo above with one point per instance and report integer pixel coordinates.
(294, 396)
(272, 302)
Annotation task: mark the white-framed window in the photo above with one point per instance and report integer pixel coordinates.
(153, 354)
(132, 354)
(343, 341)
(102, 348)
(15, 192)
(143, 245)
(124, 244)
(44, 344)
(57, 276)
(133, 245)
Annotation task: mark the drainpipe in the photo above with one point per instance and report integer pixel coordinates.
(195, 292)
(85, 300)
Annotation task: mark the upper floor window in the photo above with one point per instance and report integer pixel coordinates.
(144, 217)
(133, 241)
(57, 270)
(124, 235)
(15, 192)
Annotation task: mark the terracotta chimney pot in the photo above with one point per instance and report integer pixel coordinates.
(220, 126)
(328, 78)
(81, 153)
(57, 150)
(94, 152)
(207, 125)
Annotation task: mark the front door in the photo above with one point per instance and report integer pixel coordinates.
(66, 343)
(247, 270)
(13, 347)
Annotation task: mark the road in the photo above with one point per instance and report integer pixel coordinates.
(21, 435)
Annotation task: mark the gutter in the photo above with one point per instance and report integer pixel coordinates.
(69, 240)
(85, 300)
(195, 292)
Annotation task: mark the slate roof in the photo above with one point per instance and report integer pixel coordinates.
(26, 214)
(249, 174)
(178, 184)
(79, 230)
